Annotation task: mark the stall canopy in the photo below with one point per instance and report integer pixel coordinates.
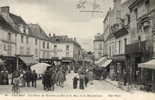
(149, 64)
(40, 67)
(28, 60)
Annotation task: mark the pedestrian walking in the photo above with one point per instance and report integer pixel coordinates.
(125, 78)
(34, 79)
(75, 82)
(28, 78)
(86, 80)
(5, 79)
(81, 79)
(47, 80)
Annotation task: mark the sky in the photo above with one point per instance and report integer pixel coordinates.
(63, 17)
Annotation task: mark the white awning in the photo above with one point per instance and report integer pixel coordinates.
(106, 63)
(149, 64)
(100, 60)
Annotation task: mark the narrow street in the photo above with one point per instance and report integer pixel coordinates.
(98, 86)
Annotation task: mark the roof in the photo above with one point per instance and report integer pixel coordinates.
(37, 31)
(63, 39)
(120, 33)
(17, 19)
(5, 25)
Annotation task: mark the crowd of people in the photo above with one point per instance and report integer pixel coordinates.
(82, 78)
(55, 75)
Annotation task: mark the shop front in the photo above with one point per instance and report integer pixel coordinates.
(136, 53)
(148, 73)
(118, 67)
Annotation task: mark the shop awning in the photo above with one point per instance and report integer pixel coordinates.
(101, 60)
(28, 60)
(149, 64)
(106, 63)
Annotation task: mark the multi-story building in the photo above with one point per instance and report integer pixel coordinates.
(98, 46)
(116, 29)
(64, 47)
(131, 28)
(141, 49)
(30, 43)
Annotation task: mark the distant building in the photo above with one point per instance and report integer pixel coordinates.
(98, 46)
(65, 47)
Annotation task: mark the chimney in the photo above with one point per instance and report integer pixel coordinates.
(49, 34)
(53, 35)
(74, 38)
(5, 9)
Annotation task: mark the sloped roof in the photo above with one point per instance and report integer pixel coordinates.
(17, 19)
(37, 31)
(5, 25)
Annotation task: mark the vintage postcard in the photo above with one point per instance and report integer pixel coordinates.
(77, 49)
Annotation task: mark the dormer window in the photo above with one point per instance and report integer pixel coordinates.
(21, 28)
(27, 31)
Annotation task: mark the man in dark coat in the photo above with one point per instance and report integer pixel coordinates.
(75, 82)
(47, 80)
(5, 79)
(28, 77)
(125, 78)
(81, 78)
(34, 79)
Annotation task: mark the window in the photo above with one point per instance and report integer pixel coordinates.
(67, 47)
(21, 50)
(22, 38)
(9, 36)
(100, 46)
(55, 50)
(67, 54)
(118, 14)
(139, 38)
(43, 44)
(147, 5)
(36, 41)
(28, 51)
(125, 41)
(48, 45)
(119, 46)
(55, 46)
(43, 54)
(136, 13)
(5, 47)
(27, 31)
(36, 52)
(27, 40)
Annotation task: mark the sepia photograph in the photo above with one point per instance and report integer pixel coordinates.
(90, 49)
